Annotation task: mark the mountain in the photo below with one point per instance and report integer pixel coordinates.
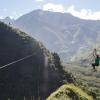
(85, 56)
(60, 32)
(34, 76)
(7, 20)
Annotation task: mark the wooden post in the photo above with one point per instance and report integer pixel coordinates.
(8, 98)
(38, 97)
(32, 98)
(24, 98)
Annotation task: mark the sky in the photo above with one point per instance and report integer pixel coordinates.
(85, 9)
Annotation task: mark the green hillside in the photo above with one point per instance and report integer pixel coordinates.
(20, 79)
(69, 92)
(35, 77)
(81, 67)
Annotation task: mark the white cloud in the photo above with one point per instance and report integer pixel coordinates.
(1, 17)
(53, 7)
(84, 13)
(11, 17)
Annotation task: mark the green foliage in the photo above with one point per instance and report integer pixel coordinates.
(57, 62)
(86, 78)
(37, 76)
(20, 79)
(69, 92)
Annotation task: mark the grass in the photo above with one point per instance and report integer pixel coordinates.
(86, 79)
(69, 92)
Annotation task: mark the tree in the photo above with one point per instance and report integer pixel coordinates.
(57, 62)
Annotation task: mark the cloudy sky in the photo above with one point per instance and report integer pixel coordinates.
(85, 9)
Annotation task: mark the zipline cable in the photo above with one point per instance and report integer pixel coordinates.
(16, 61)
(26, 57)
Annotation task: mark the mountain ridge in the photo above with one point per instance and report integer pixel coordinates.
(60, 32)
(36, 76)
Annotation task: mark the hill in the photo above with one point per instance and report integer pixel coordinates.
(82, 69)
(85, 56)
(36, 76)
(7, 20)
(60, 32)
(69, 92)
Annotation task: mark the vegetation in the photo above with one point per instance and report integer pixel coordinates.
(37, 76)
(20, 79)
(86, 78)
(69, 92)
